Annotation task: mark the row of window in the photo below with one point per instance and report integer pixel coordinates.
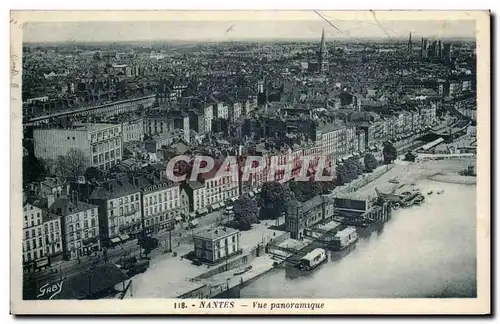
(105, 133)
(86, 235)
(218, 252)
(101, 158)
(85, 225)
(32, 216)
(159, 198)
(76, 217)
(159, 209)
(133, 208)
(106, 146)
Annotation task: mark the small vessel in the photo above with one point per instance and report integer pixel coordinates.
(237, 273)
(429, 192)
(344, 238)
(312, 259)
(440, 191)
(394, 180)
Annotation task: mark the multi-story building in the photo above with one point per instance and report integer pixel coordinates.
(120, 210)
(133, 130)
(222, 110)
(217, 244)
(80, 226)
(234, 111)
(208, 112)
(194, 196)
(33, 240)
(53, 239)
(100, 143)
(160, 202)
(300, 216)
(219, 186)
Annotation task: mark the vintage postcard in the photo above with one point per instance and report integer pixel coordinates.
(250, 162)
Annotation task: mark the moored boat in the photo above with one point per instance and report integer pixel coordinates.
(344, 238)
(440, 191)
(312, 259)
(429, 192)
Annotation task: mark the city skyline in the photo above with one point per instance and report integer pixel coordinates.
(154, 31)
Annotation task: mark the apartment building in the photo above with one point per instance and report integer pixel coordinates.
(100, 143)
(160, 202)
(194, 196)
(132, 130)
(219, 187)
(33, 240)
(120, 210)
(80, 226)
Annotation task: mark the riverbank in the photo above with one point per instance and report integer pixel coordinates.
(453, 178)
(426, 250)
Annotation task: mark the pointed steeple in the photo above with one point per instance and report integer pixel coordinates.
(322, 47)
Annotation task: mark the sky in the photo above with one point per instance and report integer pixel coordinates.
(230, 30)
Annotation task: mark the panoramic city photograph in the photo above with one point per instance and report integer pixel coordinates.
(199, 159)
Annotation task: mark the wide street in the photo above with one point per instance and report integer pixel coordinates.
(179, 234)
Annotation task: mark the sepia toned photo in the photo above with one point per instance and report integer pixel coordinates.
(250, 162)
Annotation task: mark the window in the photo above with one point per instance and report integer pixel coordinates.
(126, 200)
(40, 241)
(70, 228)
(234, 239)
(33, 233)
(39, 231)
(225, 241)
(121, 211)
(86, 224)
(77, 226)
(27, 235)
(93, 222)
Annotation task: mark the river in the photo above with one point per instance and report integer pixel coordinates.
(422, 251)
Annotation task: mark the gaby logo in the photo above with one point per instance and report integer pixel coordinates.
(50, 290)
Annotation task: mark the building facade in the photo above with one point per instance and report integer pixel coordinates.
(80, 227)
(217, 244)
(300, 216)
(101, 144)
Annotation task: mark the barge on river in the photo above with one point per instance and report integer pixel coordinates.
(344, 238)
(312, 259)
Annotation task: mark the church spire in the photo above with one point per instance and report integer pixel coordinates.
(323, 54)
(322, 46)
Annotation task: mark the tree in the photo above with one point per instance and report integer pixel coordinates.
(390, 153)
(93, 173)
(274, 198)
(370, 162)
(33, 169)
(72, 165)
(245, 212)
(410, 157)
